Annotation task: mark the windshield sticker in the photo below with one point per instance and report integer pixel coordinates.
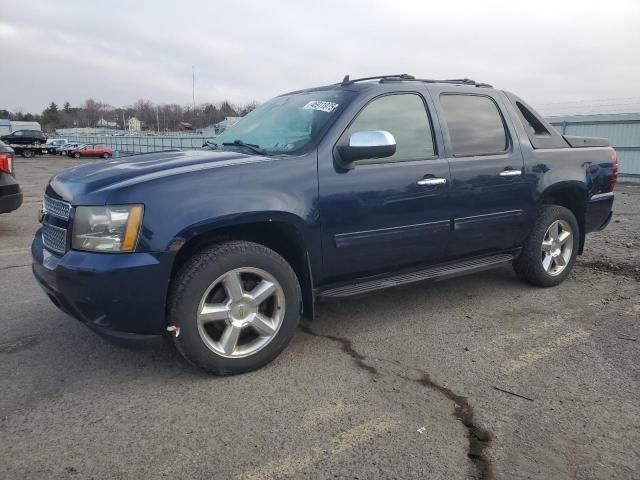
(321, 106)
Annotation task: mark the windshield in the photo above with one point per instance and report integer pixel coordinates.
(287, 124)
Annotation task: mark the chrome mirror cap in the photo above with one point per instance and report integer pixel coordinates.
(372, 138)
(365, 145)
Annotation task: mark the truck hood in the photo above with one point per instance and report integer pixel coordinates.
(103, 176)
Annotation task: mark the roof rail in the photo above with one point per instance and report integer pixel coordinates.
(406, 77)
(402, 76)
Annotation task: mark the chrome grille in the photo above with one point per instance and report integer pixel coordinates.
(57, 208)
(54, 238)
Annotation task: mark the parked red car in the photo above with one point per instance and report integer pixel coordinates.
(90, 151)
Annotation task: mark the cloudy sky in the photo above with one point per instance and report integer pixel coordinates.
(577, 55)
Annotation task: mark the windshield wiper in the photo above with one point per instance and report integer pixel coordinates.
(249, 146)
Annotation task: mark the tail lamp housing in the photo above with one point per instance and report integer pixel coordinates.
(614, 176)
(6, 163)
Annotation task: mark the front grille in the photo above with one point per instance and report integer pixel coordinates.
(54, 238)
(57, 208)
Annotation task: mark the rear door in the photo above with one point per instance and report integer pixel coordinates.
(490, 199)
(381, 215)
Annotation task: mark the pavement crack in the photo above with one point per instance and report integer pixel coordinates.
(347, 347)
(15, 266)
(19, 343)
(479, 438)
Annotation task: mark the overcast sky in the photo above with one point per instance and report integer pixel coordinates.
(559, 55)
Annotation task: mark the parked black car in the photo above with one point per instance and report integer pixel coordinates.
(321, 193)
(25, 137)
(10, 191)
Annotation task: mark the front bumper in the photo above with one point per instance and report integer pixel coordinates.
(121, 296)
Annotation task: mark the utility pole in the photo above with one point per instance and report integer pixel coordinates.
(193, 78)
(157, 119)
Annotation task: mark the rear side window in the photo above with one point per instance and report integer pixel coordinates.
(405, 117)
(531, 122)
(475, 124)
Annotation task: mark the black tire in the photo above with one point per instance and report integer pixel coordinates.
(76, 155)
(528, 265)
(27, 153)
(193, 280)
(105, 156)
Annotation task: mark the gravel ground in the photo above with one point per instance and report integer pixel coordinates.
(476, 377)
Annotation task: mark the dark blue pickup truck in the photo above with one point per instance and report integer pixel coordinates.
(320, 193)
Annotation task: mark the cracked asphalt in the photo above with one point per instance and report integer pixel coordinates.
(476, 377)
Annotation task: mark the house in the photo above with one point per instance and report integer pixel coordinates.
(107, 124)
(135, 125)
(185, 126)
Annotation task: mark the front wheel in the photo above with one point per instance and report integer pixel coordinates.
(76, 155)
(237, 305)
(549, 253)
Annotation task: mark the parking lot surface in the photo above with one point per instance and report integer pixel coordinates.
(476, 377)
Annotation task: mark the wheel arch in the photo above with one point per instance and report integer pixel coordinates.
(282, 232)
(573, 196)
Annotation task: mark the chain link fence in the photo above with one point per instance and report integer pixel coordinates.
(143, 143)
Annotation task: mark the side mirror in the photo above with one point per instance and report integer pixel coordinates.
(368, 144)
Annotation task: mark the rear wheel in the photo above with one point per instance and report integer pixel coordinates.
(76, 155)
(105, 155)
(237, 305)
(550, 251)
(27, 153)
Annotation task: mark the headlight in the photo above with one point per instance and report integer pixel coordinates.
(112, 228)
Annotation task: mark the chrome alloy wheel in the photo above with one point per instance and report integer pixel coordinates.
(557, 247)
(241, 312)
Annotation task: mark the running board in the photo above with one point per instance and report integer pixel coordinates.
(438, 272)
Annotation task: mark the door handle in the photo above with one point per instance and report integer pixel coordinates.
(432, 181)
(511, 173)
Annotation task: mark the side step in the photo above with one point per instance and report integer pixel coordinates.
(437, 272)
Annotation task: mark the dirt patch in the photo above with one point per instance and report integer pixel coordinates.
(615, 268)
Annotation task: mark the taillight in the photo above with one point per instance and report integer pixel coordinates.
(614, 177)
(6, 163)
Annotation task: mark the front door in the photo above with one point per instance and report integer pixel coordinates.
(18, 138)
(490, 198)
(389, 213)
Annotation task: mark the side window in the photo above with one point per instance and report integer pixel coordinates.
(475, 124)
(19, 133)
(405, 117)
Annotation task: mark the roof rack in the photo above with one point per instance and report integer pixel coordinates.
(406, 77)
